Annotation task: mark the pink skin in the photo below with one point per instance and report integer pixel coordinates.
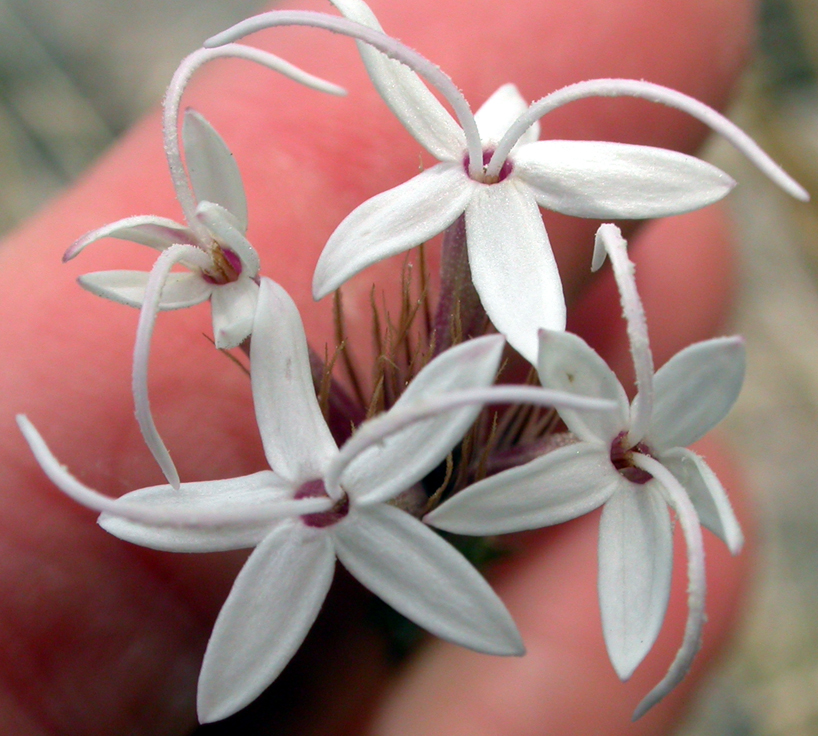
(101, 637)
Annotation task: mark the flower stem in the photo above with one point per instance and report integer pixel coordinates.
(459, 314)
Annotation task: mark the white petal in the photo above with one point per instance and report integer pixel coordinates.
(262, 487)
(407, 456)
(512, 265)
(614, 180)
(269, 611)
(499, 111)
(391, 223)
(556, 487)
(696, 581)
(695, 390)
(635, 563)
(180, 290)
(226, 230)
(707, 494)
(297, 441)
(155, 232)
(234, 308)
(567, 363)
(213, 171)
(405, 93)
(424, 578)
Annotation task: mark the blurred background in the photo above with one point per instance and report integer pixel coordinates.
(73, 76)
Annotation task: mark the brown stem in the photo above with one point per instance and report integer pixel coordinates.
(459, 311)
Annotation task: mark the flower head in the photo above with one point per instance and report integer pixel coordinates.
(497, 173)
(634, 462)
(213, 201)
(299, 524)
(223, 267)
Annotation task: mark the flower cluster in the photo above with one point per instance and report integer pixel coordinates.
(373, 498)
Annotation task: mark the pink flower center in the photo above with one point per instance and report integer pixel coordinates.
(316, 489)
(226, 267)
(505, 169)
(622, 459)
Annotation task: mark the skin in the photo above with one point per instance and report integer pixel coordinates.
(101, 637)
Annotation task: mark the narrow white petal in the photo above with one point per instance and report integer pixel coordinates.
(269, 611)
(635, 563)
(407, 456)
(696, 582)
(234, 309)
(424, 578)
(707, 494)
(128, 287)
(155, 232)
(260, 488)
(512, 265)
(214, 173)
(499, 111)
(297, 441)
(225, 228)
(617, 181)
(391, 223)
(404, 92)
(556, 487)
(567, 363)
(695, 390)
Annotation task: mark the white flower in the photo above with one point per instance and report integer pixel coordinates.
(495, 172)
(223, 265)
(215, 208)
(279, 592)
(511, 262)
(635, 462)
(227, 272)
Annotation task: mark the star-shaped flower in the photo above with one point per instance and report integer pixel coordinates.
(279, 592)
(214, 206)
(510, 258)
(635, 462)
(223, 265)
(495, 172)
(227, 272)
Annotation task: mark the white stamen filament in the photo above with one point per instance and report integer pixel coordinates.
(678, 499)
(654, 93)
(173, 97)
(391, 47)
(144, 332)
(609, 238)
(376, 430)
(169, 516)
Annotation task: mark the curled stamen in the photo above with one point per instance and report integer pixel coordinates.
(173, 97)
(653, 93)
(225, 268)
(386, 44)
(375, 431)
